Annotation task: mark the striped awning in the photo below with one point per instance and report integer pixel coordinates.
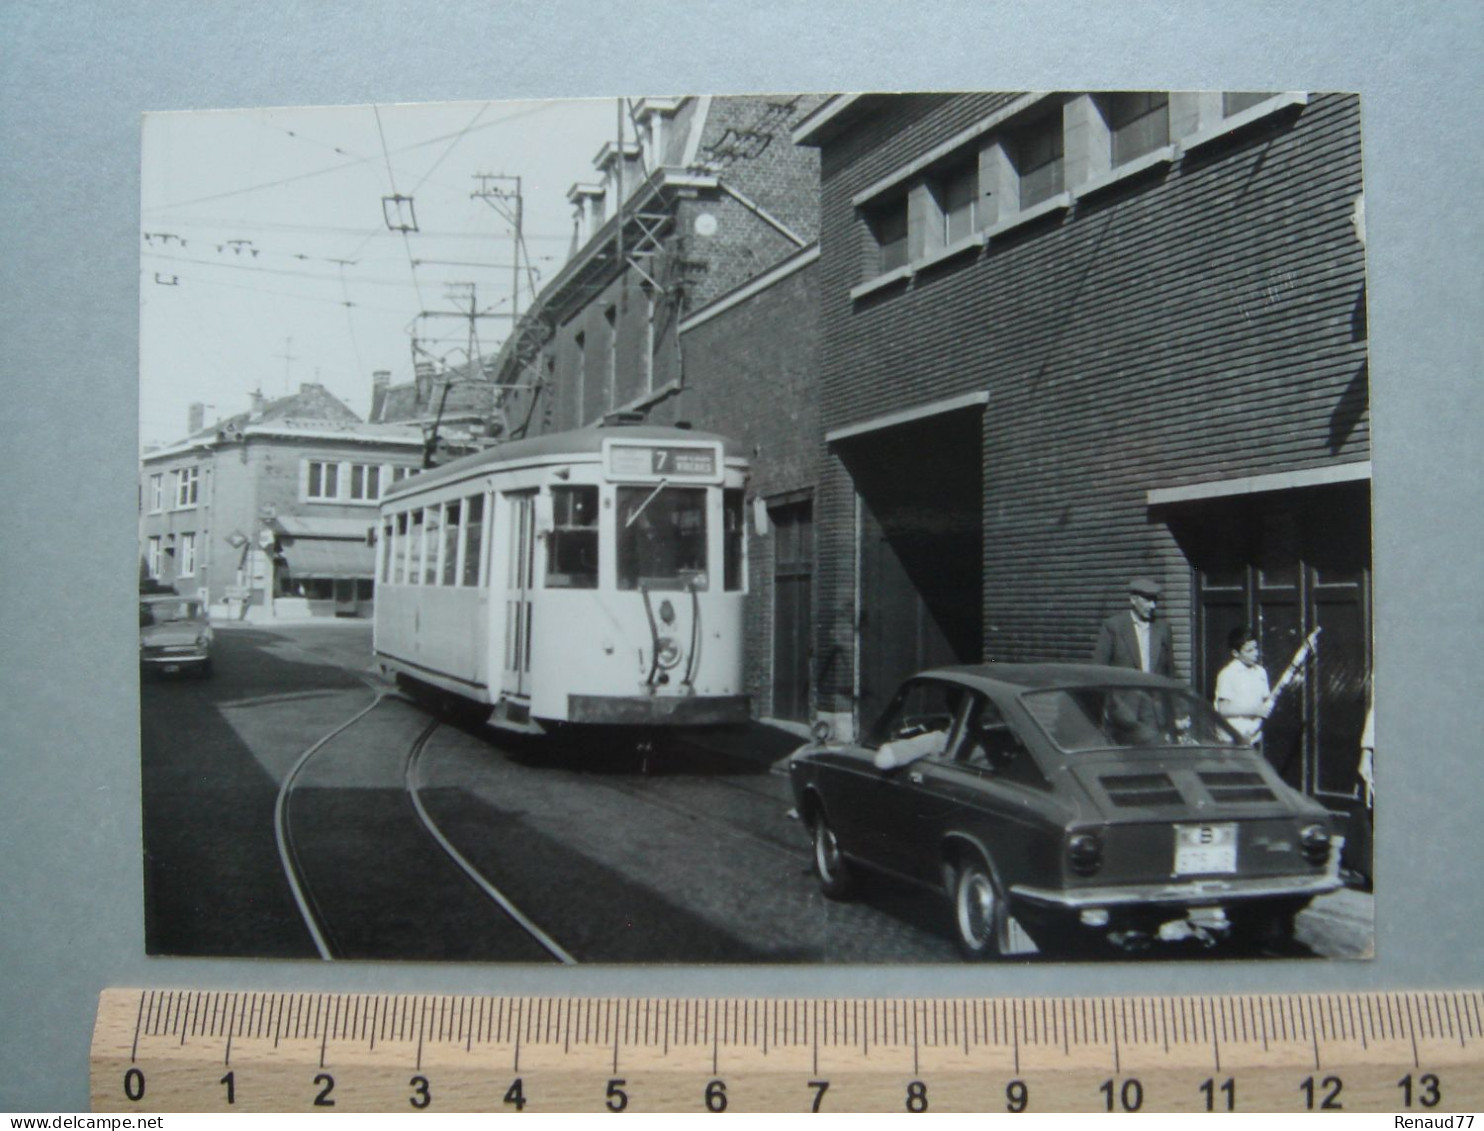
(329, 557)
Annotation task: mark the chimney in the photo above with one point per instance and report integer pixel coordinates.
(255, 403)
(587, 210)
(381, 381)
(425, 375)
(195, 418)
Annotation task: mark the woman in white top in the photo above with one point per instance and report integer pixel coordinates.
(1242, 695)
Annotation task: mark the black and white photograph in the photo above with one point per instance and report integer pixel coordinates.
(792, 528)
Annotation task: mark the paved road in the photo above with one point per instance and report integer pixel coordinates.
(692, 855)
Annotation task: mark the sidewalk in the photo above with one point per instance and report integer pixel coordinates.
(1340, 924)
(259, 616)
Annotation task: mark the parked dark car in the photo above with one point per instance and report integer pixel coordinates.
(174, 635)
(1098, 807)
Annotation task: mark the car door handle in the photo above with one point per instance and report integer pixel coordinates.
(915, 777)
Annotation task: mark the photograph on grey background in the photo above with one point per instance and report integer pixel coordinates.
(791, 528)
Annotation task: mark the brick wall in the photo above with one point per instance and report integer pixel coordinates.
(747, 144)
(752, 375)
(1197, 323)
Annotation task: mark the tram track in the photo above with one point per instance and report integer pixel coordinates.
(318, 921)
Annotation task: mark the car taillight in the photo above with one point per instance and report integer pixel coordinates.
(1314, 841)
(1084, 853)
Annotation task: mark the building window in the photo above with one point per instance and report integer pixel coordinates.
(1234, 102)
(888, 224)
(1138, 123)
(324, 480)
(152, 556)
(579, 394)
(1037, 151)
(187, 486)
(156, 493)
(610, 378)
(187, 555)
(649, 313)
(957, 194)
(365, 482)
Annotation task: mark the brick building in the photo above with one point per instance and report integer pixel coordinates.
(690, 297)
(266, 513)
(1070, 338)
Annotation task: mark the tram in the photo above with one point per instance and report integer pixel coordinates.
(587, 577)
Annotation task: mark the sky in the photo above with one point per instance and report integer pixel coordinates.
(273, 249)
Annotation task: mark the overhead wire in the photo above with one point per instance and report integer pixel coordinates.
(347, 164)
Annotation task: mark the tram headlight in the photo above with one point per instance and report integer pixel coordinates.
(667, 612)
(667, 652)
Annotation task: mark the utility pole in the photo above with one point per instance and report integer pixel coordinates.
(509, 204)
(618, 203)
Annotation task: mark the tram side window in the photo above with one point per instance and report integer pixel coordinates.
(736, 537)
(662, 537)
(415, 549)
(384, 550)
(451, 512)
(433, 524)
(399, 551)
(573, 546)
(474, 548)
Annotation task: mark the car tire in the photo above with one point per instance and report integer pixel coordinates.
(836, 880)
(980, 918)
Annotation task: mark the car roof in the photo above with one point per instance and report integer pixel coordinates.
(161, 598)
(1045, 676)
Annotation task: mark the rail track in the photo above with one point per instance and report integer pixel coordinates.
(317, 920)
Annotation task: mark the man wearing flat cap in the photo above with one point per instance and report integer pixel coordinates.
(1134, 638)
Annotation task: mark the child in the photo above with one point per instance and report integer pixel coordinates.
(1242, 696)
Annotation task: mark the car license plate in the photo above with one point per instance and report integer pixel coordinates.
(1205, 849)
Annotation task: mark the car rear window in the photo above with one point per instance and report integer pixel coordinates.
(1111, 718)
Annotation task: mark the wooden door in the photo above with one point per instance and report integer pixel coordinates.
(793, 621)
(1286, 564)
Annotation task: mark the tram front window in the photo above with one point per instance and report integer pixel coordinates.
(573, 545)
(661, 537)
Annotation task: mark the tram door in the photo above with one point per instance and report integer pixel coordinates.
(519, 527)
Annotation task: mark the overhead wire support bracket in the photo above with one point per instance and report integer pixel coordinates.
(399, 212)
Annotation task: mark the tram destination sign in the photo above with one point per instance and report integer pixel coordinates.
(653, 462)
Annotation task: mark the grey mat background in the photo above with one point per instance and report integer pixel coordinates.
(74, 78)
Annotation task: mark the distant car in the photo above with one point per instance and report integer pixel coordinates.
(174, 635)
(1102, 809)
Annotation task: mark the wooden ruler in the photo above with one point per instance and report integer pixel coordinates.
(182, 1050)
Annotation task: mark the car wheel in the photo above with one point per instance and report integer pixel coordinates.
(979, 916)
(830, 866)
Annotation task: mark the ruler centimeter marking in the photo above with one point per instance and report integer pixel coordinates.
(163, 1050)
